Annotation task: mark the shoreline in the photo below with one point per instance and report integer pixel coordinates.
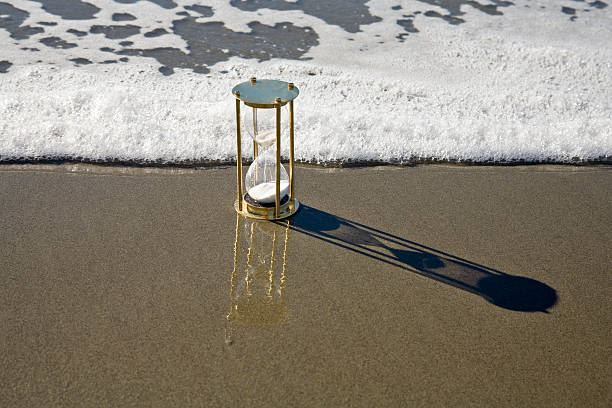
(604, 162)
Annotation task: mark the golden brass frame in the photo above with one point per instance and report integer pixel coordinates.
(291, 206)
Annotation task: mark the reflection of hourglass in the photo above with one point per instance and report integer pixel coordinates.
(257, 295)
(268, 189)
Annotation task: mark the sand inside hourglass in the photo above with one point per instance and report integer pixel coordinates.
(265, 138)
(266, 192)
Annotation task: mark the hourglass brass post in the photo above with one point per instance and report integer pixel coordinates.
(255, 148)
(290, 148)
(278, 156)
(238, 151)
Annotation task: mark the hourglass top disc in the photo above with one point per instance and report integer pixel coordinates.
(263, 92)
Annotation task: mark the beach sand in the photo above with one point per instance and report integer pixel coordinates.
(432, 285)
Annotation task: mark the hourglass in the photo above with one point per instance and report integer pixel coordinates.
(267, 190)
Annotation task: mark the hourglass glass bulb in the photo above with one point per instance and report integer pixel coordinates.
(261, 125)
(260, 180)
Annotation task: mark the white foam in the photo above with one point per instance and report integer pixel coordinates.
(529, 85)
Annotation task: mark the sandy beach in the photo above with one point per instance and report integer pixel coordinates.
(452, 246)
(401, 286)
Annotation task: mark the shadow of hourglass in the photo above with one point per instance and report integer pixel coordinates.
(510, 292)
(259, 276)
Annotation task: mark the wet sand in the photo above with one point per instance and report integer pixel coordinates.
(424, 286)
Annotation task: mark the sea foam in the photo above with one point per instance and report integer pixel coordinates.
(494, 89)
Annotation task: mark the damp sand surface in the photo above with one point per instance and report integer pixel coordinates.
(425, 286)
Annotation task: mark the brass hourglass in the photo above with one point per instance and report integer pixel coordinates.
(267, 191)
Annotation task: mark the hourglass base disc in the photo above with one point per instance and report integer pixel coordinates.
(287, 209)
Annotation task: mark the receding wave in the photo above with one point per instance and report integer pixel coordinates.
(148, 82)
